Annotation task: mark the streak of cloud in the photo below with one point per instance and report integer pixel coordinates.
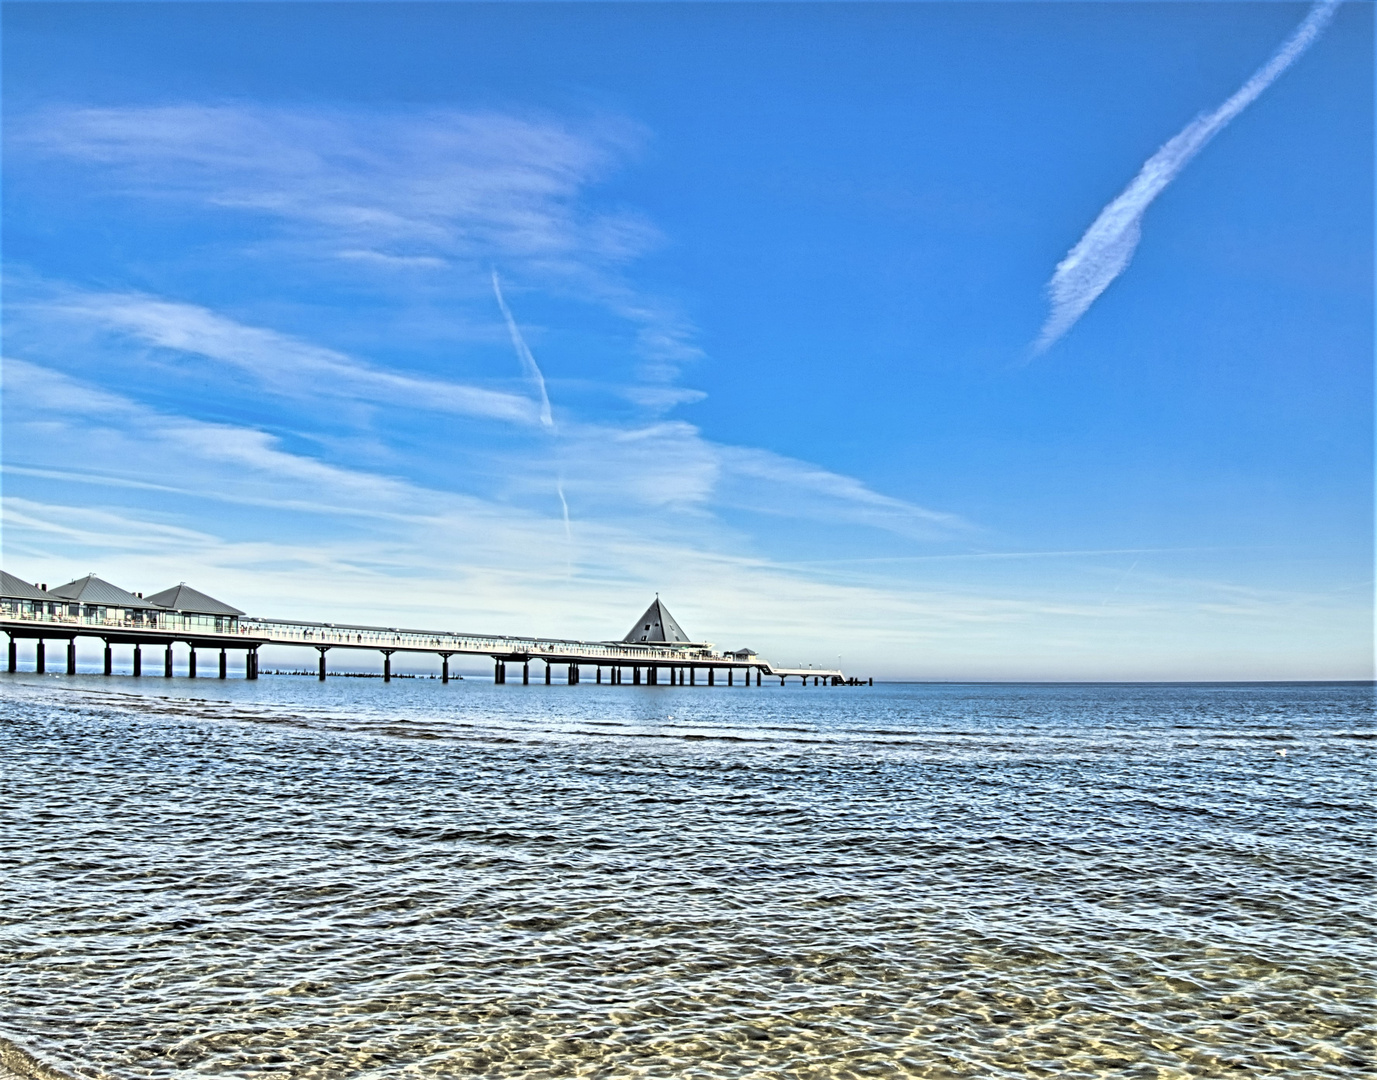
(1108, 245)
(281, 364)
(523, 353)
(537, 377)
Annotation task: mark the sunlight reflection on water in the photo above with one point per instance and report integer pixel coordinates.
(288, 879)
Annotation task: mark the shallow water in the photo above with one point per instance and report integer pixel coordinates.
(289, 879)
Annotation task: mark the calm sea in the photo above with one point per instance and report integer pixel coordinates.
(288, 879)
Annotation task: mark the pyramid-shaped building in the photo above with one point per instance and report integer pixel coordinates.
(657, 626)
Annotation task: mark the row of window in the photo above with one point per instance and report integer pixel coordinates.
(60, 609)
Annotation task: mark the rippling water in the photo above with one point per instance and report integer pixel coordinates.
(284, 879)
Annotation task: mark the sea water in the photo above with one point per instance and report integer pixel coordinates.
(285, 878)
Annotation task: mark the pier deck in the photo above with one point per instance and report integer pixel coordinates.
(662, 663)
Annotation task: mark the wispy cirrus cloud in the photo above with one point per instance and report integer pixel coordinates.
(1104, 251)
(280, 363)
(438, 183)
(395, 193)
(144, 497)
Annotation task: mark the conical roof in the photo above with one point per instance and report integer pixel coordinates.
(184, 598)
(657, 624)
(13, 589)
(94, 590)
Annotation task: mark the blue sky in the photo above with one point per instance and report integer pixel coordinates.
(780, 271)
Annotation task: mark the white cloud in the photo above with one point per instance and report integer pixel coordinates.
(280, 363)
(393, 191)
(431, 182)
(1107, 246)
(146, 499)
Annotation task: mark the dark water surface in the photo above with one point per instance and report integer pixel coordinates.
(284, 879)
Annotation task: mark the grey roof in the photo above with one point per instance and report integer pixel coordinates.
(94, 590)
(657, 624)
(184, 598)
(14, 589)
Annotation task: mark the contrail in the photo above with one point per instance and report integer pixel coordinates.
(1109, 243)
(524, 354)
(533, 372)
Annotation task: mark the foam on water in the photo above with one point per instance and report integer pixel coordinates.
(288, 879)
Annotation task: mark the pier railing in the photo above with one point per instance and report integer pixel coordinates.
(117, 619)
(224, 631)
(337, 635)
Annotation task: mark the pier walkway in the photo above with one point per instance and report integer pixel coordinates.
(658, 655)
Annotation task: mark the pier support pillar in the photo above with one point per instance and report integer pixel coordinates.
(729, 677)
(251, 664)
(320, 673)
(224, 665)
(14, 655)
(547, 673)
(40, 658)
(525, 673)
(167, 662)
(757, 676)
(71, 656)
(599, 676)
(693, 676)
(109, 660)
(444, 666)
(138, 661)
(191, 664)
(572, 679)
(387, 665)
(711, 673)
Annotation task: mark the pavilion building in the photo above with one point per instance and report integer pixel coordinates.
(20, 600)
(197, 611)
(93, 599)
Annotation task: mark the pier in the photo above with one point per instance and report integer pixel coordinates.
(656, 652)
